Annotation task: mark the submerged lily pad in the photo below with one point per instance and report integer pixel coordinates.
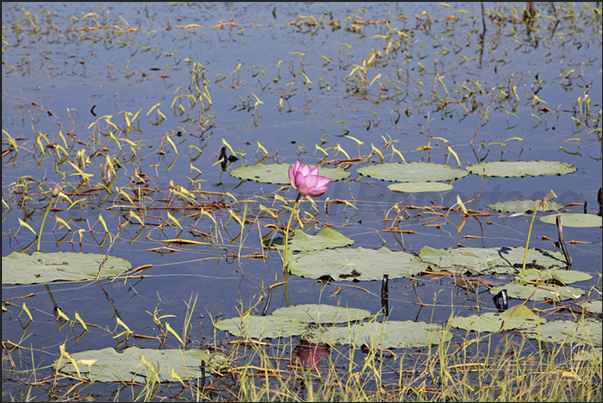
(520, 317)
(418, 187)
(321, 314)
(412, 172)
(21, 268)
(522, 206)
(490, 260)
(574, 220)
(279, 173)
(127, 366)
(262, 327)
(390, 334)
(539, 292)
(521, 168)
(356, 264)
(564, 331)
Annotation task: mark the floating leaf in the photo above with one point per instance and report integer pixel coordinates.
(21, 268)
(522, 206)
(412, 172)
(390, 334)
(521, 168)
(592, 306)
(279, 173)
(587, 332)
(519, 317)
(417, 187)
(538, 293)
(574, 220)
(262, 327)
(356, 264)
(126, 366)
(490, 260)
(301, 242)
(560, 277)
(321, 314)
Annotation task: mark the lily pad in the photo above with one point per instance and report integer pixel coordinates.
(587, 332)
(519, 317)
(558, 276)
(574, 220)
(412, 172)
(418, 187)
(522, 206)
(127, 366)
(322, 314)
(356, 264)
(21, 268)
(540, 292)
(279, 173)
(490, 260)
(592, 306)
(390, 334)
(300, 242)
(521, 168)
(262, 327)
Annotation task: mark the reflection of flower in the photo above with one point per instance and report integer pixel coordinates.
(307, 181)
(309, 355)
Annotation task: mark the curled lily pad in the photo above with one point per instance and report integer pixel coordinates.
(21, 268)
(412, 172)
(262, 327)
(574, 220)
(587, 331)
(356, 264)
(108, 365)
(521, 168)
(279, 173)
(321, 314)
(522, 206)
(519, 317)
(539, 292)
(418, 187)
(301, 242)
(490, 260)
(390, 334)
(592, 306)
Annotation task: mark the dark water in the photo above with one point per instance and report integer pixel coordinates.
(51, 64)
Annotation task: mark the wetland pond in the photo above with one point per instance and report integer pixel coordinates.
(155, 271)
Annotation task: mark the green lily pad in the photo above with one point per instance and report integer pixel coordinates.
(262, 327)
(490, 260)
(587, 332)
(412, 172)
(127, 366)
(300, 242)
(21, 268)
(522, 206)
(519, 317)
(356, 264)
(322, 314)
(279, 173)
(521, 168)
(574, 220)
(390, 334)
(592, 306)
(540, 293)
(558, 276)
(418, 187)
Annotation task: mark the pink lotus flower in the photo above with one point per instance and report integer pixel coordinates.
(307, 181)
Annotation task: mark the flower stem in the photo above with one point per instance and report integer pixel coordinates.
(285, 258)
(44, 221)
